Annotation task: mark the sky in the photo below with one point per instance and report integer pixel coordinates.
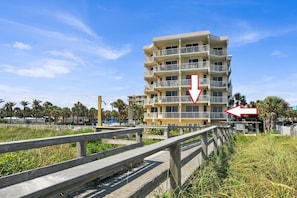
(65, 51)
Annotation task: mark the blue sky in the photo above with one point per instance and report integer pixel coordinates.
(66, 51)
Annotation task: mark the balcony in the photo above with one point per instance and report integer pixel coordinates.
(218, 115)
(187, 82)
(168, 99)
(218, 68)
(149, 74)
(149, 88)
(218, 84)
(194, 49)
(149, 60)
(167, 68)
(166, 52)
(217, 52)
(187, 99)
(195, 115)
(167, 83)
(218, 99)
(195, 66)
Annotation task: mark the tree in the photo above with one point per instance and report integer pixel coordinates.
(1, 110)
(66, 113)
(36, 108)
(92, 113)
(8, 107)
(48, 108)
(272, 108)
(24, 104)
(56, 113)
(237, 99)
(122, 110)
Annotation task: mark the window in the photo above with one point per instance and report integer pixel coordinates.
(171, 77)
(171, 109)
(153, 95)
(205, 108)
(188, 77)
(204, 92)
(154, 109)
(171, 62)
(171, 93)
(217, 93)
(217, 78)
(217, 109)
(171, 50)
(195, 60)
(192, 108)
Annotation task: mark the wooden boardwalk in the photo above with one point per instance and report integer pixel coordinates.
(137, 181)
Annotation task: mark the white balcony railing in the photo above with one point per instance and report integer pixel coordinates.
(149, 59)
(186, 115)
(187, 99)
(218, 68)
(149, 74)
(194, 49)
(217, 52)
(218, 99)
(166, 52)
(170, 67)
(198, 65)
(168, 99)
(218, 115)
(203, 115)
(167, 83)
(187, 82)
(219, 84)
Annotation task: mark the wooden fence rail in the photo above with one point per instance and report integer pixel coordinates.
(63, 180)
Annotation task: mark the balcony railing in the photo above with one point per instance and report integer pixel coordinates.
(166, 52)
(167, 83)
(217, 52)
(149, 74)
(218, 68)
(150, 87)
(165, 68)
(193, 49)
(168, 99)
(186, 115)
(219, 84)
(202, 98)
(198, 65)
(149, 60)
(204, 115)
(218, 99)
(218, 115)
(187, 82)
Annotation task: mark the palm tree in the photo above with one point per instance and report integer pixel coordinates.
(24, 104)
(8, 107)
(237, 99)
(66, 113)
(48, 108)
(56, 113)
(270, 109)
(122, 110)
(36, 107)
(1, 110)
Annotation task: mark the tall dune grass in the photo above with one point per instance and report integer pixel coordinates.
(262, 166)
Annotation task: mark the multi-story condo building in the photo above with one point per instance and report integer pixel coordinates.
(137, 99)
(170, 62)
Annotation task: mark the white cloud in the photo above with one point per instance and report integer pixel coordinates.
(19, 45)
(70, 20)
(67, 55)
(278, 53)
(47, 69)
(111, 54)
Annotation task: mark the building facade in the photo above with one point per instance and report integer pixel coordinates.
(137, 100)
(170, 61)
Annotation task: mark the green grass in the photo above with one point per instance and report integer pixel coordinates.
(262, 166)
(11, 163)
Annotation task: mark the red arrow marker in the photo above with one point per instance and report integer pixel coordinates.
(239, 110)
(194, 90)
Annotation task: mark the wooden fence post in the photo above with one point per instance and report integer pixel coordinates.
(215, 138)
(81, 149)
(204, 145)
(175, 166)
(139, 137)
